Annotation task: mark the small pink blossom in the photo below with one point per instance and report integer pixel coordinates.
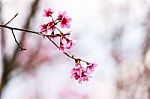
(65, 22)
(66, 42)
(84, 76)
(51, 26)
(48, 12)
(75, 73)
(61, 15)
(43, 27)
(90, 68)
(70, 43)
(79, 73)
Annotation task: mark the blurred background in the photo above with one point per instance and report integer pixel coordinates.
(113, 33)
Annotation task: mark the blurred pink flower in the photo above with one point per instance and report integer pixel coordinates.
(66, 42)
(65, 22)
(84, 76)
(76, 72)
(51, 26)
(80, 74)
(43, 27)
(61, 15)
(70, 43)
(90, 68)
(48, 12)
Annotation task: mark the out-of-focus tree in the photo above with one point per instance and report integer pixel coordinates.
(133, 77)
(24, 61)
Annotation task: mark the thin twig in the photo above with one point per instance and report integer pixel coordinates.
(41, 34)
(70, 56)
(17, 41)
(24, 30)
(11, 19)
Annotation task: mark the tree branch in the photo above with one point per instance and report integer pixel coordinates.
(17, 41)
(11, 19)
(40, 34)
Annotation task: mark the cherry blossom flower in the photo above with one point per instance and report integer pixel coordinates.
(84, 76)
(51, 26)
(76, 72)
(65, 22)
(61, 15)
(66, 42)
(70, 43)
(48, 12)
(43, 27)
(90, 68)
(79, 73)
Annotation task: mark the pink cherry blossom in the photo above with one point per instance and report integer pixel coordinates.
(90, 68)
(48, 12)
(51, 26)
(69, 44)
(65, 22)
(66, 42)
(84, 76)
(75, 73)
(43, 27)
(79, 73)
(61, 15)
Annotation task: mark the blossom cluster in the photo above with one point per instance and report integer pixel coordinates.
(51, 26)
(65, 42)
(80, 73)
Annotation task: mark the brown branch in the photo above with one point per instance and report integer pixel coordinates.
(70, 56)
(41, 34)
(11, 19)
(17, 41)
(23, 30)
(30, 31)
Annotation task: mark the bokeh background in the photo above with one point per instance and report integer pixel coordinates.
(113, 33)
